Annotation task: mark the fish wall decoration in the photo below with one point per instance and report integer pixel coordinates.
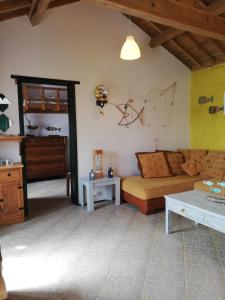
(215, 109)
(51, 128)
(204, 100)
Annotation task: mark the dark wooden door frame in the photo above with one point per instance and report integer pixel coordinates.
(72, 129)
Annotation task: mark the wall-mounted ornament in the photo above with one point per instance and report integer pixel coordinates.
(5, 123)
(101, 94)
(215, 109)
(204, 100)
(130, 113)
(98, 163)
(4, 103)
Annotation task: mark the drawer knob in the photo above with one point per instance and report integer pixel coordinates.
(1, 200)
(9, 174)
(183, 211)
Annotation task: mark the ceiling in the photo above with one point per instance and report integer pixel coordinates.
(192, 30)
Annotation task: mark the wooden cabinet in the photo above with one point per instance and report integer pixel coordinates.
(46, 157)
(11, 194)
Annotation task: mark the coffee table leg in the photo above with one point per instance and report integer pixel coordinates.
(168, 220)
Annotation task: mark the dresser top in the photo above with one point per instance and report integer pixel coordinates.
(14, 166)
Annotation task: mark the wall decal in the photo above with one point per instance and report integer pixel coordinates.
(5, 123)
(4, 103)
(215, 109)
(204, 100)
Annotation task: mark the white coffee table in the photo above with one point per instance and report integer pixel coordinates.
(195, 206)
(90, 186)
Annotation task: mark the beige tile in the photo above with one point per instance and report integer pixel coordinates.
(121, 288)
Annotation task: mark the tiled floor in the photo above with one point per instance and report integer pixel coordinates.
(113, 253)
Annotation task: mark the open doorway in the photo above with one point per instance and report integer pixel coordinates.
(49, 152)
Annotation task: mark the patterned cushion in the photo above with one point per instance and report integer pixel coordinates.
(196, 154)
(175, 159)
(191, 167)
(214, 164)
(153, 165)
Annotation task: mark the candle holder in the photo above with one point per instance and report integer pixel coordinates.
(98, 163)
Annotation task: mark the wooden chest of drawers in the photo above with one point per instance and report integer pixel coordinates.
(11, 194)
(46, 157)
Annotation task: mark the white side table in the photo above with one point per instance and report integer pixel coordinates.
(90, 186)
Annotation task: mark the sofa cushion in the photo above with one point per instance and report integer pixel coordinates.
(175, 159)
(153, 165)
(151, 188)
(192, 167)
(196, 154)
(213, 164)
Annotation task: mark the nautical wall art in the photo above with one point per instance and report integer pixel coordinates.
(4, 103)
(212, 109)
(5, 122)
(153, 110)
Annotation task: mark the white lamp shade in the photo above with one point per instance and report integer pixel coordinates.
(130, 49)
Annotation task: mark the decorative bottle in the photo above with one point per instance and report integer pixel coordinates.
(92, 175)
(110, 172)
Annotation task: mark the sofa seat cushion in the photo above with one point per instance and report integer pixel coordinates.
(146, 189)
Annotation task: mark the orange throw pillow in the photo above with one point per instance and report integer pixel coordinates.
(191, 167)
(153, 165)
(175, 159)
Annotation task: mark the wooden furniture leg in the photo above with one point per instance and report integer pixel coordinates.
(3, 292)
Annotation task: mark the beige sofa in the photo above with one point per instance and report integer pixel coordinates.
(148, 194)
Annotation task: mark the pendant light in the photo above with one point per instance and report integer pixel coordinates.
(130, 49)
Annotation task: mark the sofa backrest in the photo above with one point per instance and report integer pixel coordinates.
(213, 162)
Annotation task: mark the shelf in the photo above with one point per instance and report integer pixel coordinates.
(11, 138)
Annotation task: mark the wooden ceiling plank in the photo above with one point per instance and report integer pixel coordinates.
(218, 45)
(13, 14)
(37, 11)
(11, 5)
(180, 49)
(173, 14)
(216, 8)
(56, 3)
(201, 48)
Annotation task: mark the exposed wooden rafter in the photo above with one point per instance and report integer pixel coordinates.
(37, 11)
(216, 8)
(173, 14)
(174, 44)
(11, 5)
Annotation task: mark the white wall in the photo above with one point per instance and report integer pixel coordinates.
(82, 42)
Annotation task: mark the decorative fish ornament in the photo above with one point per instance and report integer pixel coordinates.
(32, 127)
(207, 182)
(216, 190)
(204, 100)
(215, 109)
(51, 128)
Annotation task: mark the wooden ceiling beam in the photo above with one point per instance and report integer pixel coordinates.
(173, 14)
(165, 36)
(216, 8)
(180, 49)
(11, 5)
(37, 11)
(13, 14)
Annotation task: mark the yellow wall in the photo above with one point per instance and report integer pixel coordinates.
(208, 131)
